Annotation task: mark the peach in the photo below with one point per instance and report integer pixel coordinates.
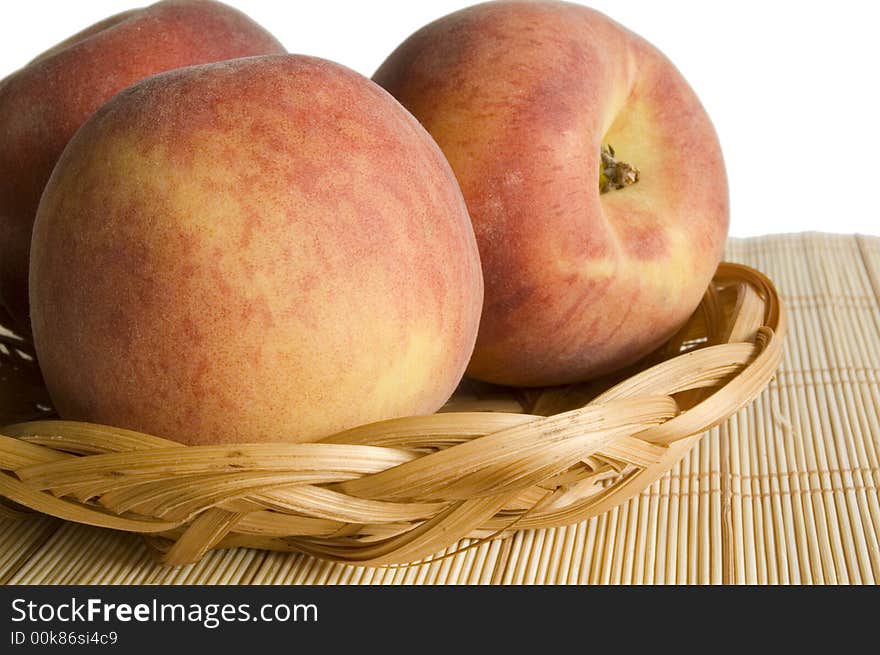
(43, 104)
(582, 277)
(268, 248)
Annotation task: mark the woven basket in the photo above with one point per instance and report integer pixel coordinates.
(493, 460)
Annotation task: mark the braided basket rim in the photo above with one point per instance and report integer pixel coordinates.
(399, 491)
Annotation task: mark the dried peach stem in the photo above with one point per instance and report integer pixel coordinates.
(615, 174)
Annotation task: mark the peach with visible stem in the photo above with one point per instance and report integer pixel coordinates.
(592, 173)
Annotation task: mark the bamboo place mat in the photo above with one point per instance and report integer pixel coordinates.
(783, 492)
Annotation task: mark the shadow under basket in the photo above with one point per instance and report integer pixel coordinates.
(492, 461)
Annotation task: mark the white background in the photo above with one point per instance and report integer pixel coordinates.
(791, 86)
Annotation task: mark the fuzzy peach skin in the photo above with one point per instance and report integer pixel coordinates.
(521, 96)
(265, 249)
(43, 104)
